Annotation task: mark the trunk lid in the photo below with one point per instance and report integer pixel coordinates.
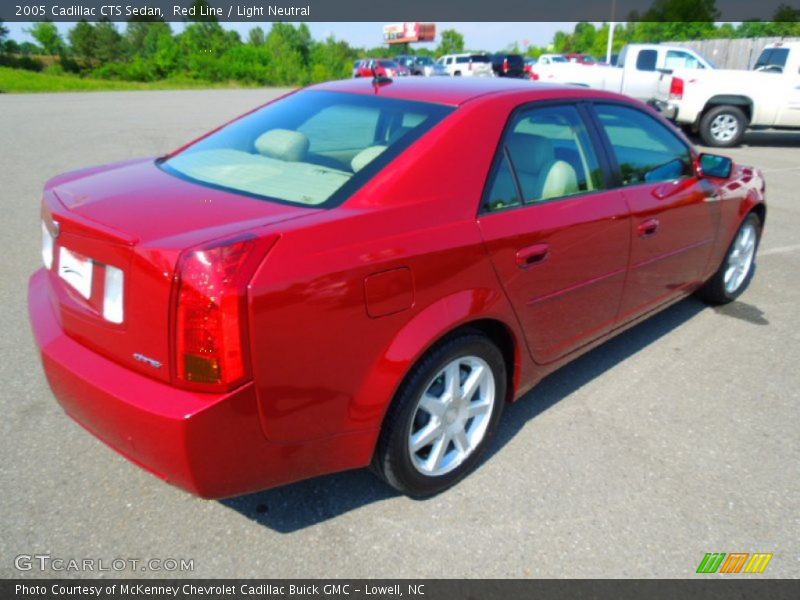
(131, 221)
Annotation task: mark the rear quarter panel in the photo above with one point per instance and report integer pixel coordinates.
(322, 365)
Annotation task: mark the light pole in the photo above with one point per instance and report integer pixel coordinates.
(610, 46)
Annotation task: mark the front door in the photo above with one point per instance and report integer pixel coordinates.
(674, 213)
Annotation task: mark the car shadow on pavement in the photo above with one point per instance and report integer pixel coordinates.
(772, 138)
(300, 505)
(776, 139)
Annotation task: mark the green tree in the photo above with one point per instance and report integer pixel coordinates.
(583, 37)
(452, 42)
(137, 40)
(46, 33)
(331, 59)
(3, 33)
(290, 48)
(786, 14)
(256, 37)
(83, 41)
(109, 42)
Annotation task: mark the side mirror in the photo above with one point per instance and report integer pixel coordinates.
(713, 165)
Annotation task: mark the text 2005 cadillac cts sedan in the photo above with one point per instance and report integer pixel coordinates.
(365, 272)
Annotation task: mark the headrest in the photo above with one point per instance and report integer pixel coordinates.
(366, 156)
(530, 152)
(282, 144)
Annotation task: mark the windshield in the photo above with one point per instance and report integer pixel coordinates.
(424, 60)
(311, 148)
(559, 59)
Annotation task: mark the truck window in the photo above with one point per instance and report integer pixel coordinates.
(646, 61)
(677, 59)
(772, 57)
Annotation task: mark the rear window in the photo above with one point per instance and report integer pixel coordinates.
(772, 57)
(311, 148)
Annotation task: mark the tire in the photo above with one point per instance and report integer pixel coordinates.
(457, 74)
(425, 409)
(738, 266)
(723, 126)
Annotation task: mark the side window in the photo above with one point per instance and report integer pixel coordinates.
(680, 60)
(502, 191)
(646, 150)
(547, 154)
(646, 61)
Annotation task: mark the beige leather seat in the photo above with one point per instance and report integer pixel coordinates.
(283, 144)
(541, 175)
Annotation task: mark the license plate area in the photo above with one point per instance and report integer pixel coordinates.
(77, 270)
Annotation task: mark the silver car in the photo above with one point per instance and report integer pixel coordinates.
(422, 65)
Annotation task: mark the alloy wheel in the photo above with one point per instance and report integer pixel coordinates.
(452, 416)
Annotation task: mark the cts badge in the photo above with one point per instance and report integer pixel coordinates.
(147, 360)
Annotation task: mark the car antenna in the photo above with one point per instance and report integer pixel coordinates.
(378, 80)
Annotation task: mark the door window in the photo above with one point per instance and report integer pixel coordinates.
(646, 150)
(546, 154)
(646, 61)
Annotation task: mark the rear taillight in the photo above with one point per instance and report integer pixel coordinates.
(211, 313)
(676, 88)
(47, 246)
(505, 65)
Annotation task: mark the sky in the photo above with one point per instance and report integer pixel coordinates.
(477, 36)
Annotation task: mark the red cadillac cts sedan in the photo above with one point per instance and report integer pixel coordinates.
(365, 272)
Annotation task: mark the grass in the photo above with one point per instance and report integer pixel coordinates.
(22, 81)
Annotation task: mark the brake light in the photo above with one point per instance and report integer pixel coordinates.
(505, 65)
(676, 88)
(211, 313)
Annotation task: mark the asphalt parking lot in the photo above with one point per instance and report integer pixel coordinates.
(678, 438)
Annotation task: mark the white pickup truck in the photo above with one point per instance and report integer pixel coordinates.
(720, 105)
(637, 73)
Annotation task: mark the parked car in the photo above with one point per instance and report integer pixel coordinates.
(467, 65)
(380, 67)
(302, 291)
(508, 65)
(422, 65)
(581, 59)
(528, 68)
(549, 59)
(638, 73)
(721, 105)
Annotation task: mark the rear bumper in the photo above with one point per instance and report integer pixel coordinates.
(211, 445)
(667, 109)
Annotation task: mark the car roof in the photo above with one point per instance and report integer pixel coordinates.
(452, 91)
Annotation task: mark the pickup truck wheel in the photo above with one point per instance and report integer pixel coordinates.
(738, 266)
(723, 126)
(443, 417)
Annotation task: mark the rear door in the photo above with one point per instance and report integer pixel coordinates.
(674, 214)
(557, 237)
